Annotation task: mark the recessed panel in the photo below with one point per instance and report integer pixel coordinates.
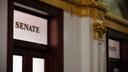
(29, 27)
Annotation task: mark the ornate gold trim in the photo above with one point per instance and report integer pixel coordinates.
(99, 29)
(116, 23)
(92, 8)
(82, 8)
(116, 19)
(79, 7)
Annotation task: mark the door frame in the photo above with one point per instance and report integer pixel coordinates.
(55, 34)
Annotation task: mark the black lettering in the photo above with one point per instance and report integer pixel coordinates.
(37, 30)
(30, 28)
(26, 26)
(33, 27)
(21, 25)
(17, 25)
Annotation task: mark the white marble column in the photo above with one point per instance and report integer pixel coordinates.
(93, 52)
(86, 44)
(72, 57)
(81, 52)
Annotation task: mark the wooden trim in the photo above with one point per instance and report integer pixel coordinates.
(116, 26)
(116, 35)
(10, 36)
(30, 12)
(30, 45)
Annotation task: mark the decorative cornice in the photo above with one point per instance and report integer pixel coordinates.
(91, 8)
(79, 7)
(89, 3)
(82, 8)
(116, 23)
(117, 19)
(79, 2)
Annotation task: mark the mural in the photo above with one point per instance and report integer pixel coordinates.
(117, 7)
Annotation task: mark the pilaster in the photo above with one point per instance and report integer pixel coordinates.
(91, 46)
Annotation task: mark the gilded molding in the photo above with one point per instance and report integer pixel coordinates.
(116, 19)
(94, 9)
(99, 29)
(116, 23)
(80, 8)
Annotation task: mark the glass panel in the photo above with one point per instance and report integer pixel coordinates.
(29, 27)
(114, 49)
(17, 63)
(38, 65)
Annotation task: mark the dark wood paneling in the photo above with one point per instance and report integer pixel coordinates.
(10, 36)
(121, 63)
(54, 55)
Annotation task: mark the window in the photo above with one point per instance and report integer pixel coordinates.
(38, 65)
(17, 63)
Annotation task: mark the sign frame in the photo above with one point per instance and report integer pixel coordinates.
(29, 44)
(34, 33)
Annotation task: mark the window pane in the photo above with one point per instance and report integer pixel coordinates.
(38, 65)
(17, 63)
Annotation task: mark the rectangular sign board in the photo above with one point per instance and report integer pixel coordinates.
(29, 28)
(114, 49)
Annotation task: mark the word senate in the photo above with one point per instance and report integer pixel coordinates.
(27, 27)
(112, 48)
